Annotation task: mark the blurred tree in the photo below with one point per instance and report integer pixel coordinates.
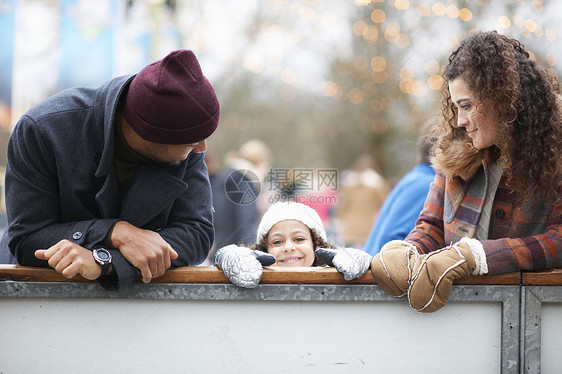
(390, 84)
(321, 81)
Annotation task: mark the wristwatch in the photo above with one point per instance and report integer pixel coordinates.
(102, 257)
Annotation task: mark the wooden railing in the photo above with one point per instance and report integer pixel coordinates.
(542, 278)
(271, 275)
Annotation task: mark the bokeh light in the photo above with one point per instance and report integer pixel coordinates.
(378, 64)
(431, 67)
(392, 32)
(403, 40)
(423, 10)
(330, 89)
(438, 9)
(288, 76)
(407, 73)
(518, 21)
(356, 96)
(531, 25)
(379, 77)
(419, 89)
(504, 22)
(359, 27)
(435, 82)
(402, 4)
(465, 14)
(378, 16)
(253, 63)
(452, 11)
(370, 33)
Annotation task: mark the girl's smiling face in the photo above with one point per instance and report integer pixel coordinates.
(290, 242)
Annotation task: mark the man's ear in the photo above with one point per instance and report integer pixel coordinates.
(201, 147)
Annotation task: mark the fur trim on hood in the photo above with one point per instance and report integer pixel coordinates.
(461, 160)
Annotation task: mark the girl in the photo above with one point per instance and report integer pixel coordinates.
(497, 193)
(292, 235)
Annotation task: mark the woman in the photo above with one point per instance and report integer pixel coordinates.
(496, 195)
(291, 235)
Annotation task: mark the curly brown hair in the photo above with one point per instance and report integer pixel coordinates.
(317, 242)
(526, 102)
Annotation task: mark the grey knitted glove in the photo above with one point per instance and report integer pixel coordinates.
(241, 265)
(351, 263)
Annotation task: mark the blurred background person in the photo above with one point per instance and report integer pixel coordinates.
(363, 191)
(323, 200)
(401, 209)
(235, 192)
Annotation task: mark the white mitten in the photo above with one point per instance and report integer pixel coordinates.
(351, 263)
(241, 265)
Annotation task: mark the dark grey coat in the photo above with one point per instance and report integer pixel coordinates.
(61, 184)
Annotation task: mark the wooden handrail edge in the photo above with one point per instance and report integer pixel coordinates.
(278, 275)
(542, 278)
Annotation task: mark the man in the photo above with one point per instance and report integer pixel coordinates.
(110, 183)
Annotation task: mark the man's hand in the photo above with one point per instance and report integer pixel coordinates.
(144, 249)
(70, 259)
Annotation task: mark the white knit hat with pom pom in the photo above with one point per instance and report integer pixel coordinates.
(283, 211)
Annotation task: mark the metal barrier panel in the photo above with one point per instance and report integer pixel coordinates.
(78, 327)
(542, 336)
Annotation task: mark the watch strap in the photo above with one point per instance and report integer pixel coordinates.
(104, 263)
(105, 269)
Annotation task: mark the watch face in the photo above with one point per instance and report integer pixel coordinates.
(103, 255)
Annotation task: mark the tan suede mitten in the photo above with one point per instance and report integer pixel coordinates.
(434, 273)
(392, 266)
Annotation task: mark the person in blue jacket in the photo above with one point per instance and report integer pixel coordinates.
(402, 207)
(110, 183)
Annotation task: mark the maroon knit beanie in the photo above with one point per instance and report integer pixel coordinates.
(171, 102)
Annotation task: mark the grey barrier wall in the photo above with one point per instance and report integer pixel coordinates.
(324, 328)
(469, 306)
